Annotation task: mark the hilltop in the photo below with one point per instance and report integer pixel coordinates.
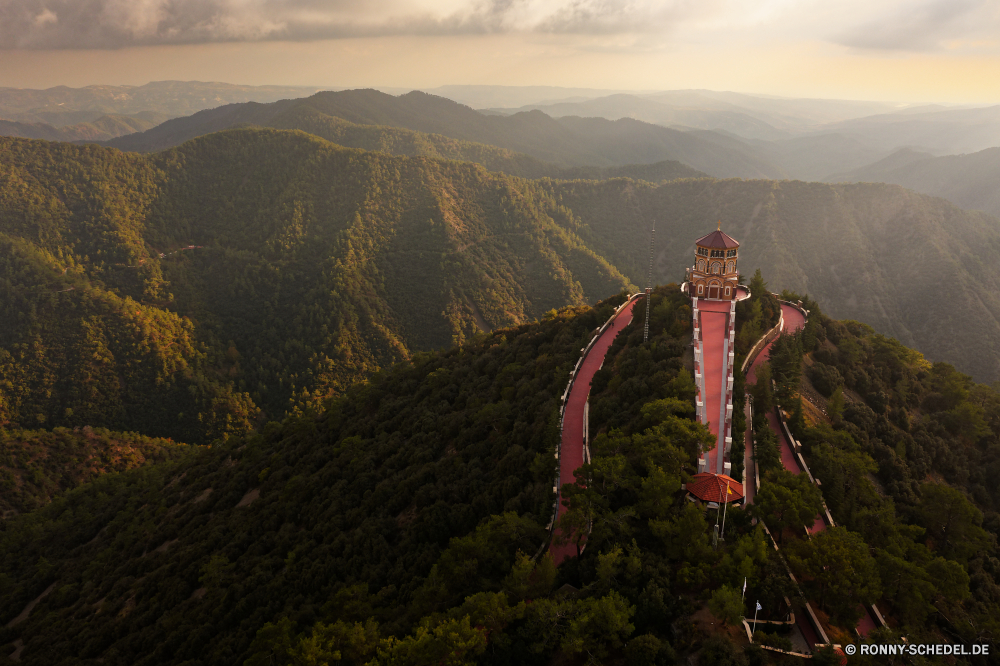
(198, 292)
(397, 523)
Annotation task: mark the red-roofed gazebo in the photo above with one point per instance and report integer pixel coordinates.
(711, 487)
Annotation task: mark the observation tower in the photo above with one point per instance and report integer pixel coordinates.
(713, 285)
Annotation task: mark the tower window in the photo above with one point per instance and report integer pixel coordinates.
(701, 289)
(727, 291)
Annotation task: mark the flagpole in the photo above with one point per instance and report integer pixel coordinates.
(755, 620)
(722, 535)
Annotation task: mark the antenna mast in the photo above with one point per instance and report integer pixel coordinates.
(649, 283)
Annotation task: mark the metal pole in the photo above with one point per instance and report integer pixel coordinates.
(755, 619)
(649, 283)
(726, 499)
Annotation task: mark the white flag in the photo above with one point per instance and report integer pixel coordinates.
(744, 585)
(759, 606)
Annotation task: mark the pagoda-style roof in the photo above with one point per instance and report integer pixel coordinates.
(717, 239)
(710, 487)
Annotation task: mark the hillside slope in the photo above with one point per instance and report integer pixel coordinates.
(179, 294)
(567, 142)
(38, 465)
(968, 181)
(396, 525)
(340, 513)
(912, 266)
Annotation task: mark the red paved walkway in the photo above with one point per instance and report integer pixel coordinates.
(794, 320)
(571, 451)
(714, 316)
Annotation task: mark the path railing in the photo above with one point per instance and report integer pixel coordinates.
(556, 486)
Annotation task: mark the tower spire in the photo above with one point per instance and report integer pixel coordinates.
(719, 226)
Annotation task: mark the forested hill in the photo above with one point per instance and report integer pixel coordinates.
(195, 292)
(910, 265)
(908, 452)
(339, 515)
(439, 123)
(397, 524)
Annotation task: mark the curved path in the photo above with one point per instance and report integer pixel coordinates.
(794, 320)
(571, 448)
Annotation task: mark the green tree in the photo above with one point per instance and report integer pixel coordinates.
(763, 399)
(726, 604)
(601, 626)
(452, 642)
(952, 522)
(840, 567)
(835, 406)
(787, 501)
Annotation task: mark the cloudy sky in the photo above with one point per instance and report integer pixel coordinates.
(903, 50)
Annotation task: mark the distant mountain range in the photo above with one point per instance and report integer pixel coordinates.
(967, 180)
(100, 129)
(566, 142)
(62, 106)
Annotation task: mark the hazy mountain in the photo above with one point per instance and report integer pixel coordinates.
(487, 97)
(650, 110)
(567, 142)
(969, 181)
(62, 105)
(100, 129)
(948, 131)
(784, 113)
(912, 266)
(813, 157)
(806, 139)
(390, 140)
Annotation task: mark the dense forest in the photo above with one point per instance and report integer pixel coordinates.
(201, 291)
(907, 452)
(361, 505)
(400, 523)
(37, 465)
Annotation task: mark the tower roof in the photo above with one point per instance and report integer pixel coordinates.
(717, 239)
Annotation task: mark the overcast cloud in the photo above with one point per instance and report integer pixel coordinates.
(925, 26)
(67, 24)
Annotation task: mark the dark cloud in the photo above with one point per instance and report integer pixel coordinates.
(924, 27)
(104, 24)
